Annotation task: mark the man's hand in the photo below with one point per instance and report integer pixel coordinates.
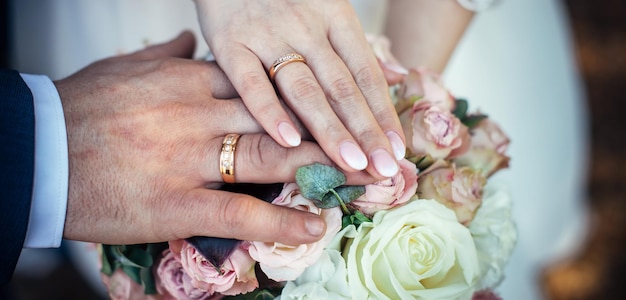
(145, 132)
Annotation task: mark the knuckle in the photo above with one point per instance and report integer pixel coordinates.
(233, 213)
(343, 90)
(253, 82)
(304, 88)
(368, 79)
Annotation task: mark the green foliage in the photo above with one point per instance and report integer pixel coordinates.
(254, 295)
(323, 185)
(355, 219)
(460, 111)
(135, 260)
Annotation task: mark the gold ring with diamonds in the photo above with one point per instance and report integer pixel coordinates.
(283, 61)
(227, 157)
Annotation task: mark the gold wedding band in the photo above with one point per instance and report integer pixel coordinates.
(227, 157)
(283, 61)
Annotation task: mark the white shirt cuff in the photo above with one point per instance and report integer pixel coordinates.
(50, 185)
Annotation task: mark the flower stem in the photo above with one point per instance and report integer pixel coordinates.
(343, 205)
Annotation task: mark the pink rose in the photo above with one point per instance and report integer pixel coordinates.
(436, 132)
(390, 192)
(427, 86)
(459, 189)
(485, 295)
(236, 275)
(174, 282)
(487, 151)
(121, 287)
(282, 262)
(393, 71)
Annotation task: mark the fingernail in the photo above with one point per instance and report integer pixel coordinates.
(353, 155)
(289, 134)
(384, 163)
(396, 144)
(315, 226)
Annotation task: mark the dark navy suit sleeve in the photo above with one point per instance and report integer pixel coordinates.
(17, 159)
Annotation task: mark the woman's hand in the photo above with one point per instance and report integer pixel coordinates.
(145, 133)
(339, 94)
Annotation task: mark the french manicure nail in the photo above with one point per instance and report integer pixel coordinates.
(353, 155)
(397, 145)
(314, 225)
(384, 163)
(289, 134)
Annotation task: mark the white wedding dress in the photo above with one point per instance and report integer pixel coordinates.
(515, 63)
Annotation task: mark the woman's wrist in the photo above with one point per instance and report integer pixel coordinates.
(476, 5)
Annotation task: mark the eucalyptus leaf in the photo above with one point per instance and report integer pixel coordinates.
(460, 111)
(347, 193)
(316, 180)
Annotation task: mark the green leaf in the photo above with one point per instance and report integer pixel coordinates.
(147, 279)
(473, 120)
(316, 180)
(132, 255)
(132, 272)
(107, 267)
(254, 295)
(355, 219)
(347, 193)
(461, 108)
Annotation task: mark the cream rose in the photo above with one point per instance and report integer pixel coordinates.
(495, 234)
(436, 132)
(173, 282)
(460, 189)
(414, 251)
(487, 151)
(326, 279)
(282, 262)
(390, 192)
(236, 275)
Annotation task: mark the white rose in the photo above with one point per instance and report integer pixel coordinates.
(326, 279)
(494, 234)
(415, 251)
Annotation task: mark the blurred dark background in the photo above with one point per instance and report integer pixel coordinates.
(598, 271)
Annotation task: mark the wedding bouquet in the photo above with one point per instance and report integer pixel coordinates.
(436, 230)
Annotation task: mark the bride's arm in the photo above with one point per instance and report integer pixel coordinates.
(425, 32)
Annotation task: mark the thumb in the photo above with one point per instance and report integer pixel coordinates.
(229, 215)
(183, 46)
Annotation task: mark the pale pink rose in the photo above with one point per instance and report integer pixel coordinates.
(485, 295)
(236, 275)
(121, 287)
(428, 87)
(436, 132)
(282, 262)
(390, 192)
(488, 147)
(393, 71)
(173, 282)
(459, 189)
